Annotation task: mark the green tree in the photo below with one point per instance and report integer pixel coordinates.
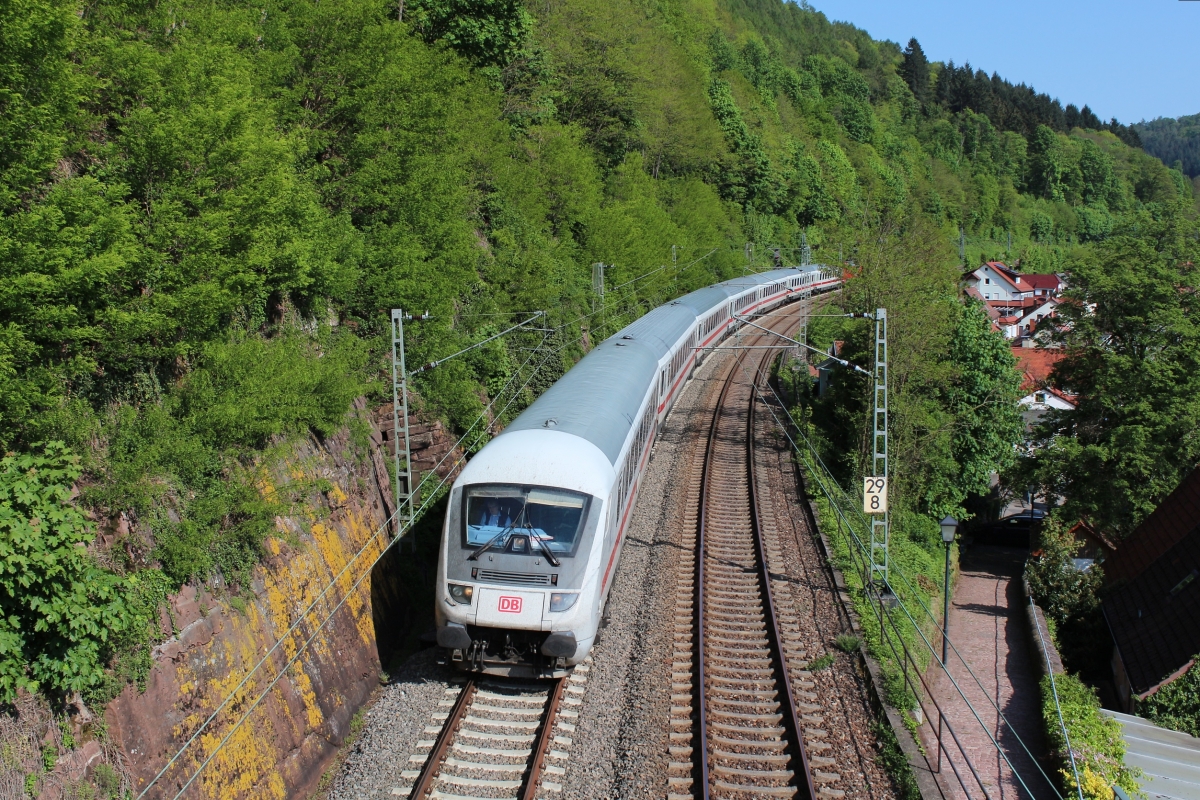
(491, 33)
(39, 91)
(1100, 185)
(1132, 355)
(983, 398)
(1070, 597)
(915, 71)
(1176, 705)
(1047, 164)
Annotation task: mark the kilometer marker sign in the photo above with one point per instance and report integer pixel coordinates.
(875, 495)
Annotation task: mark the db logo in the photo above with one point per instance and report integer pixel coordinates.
(510, 605)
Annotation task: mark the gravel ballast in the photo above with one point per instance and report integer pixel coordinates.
(619, 747)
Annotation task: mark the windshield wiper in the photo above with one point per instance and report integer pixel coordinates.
(490, 542)
(554, 562)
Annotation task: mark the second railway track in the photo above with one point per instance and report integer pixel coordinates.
(744, 716)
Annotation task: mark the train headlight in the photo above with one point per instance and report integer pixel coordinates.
(563, 601)
(460, 594)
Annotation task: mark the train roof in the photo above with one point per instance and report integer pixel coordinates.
(599, 398)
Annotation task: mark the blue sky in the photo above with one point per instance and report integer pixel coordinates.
(1125, 58)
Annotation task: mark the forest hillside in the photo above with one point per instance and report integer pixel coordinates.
(1174, 141)
(207, 211)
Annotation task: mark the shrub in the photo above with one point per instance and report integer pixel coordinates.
(1095, 740)
(190, 464)
(59, 610)
(1176, 705)
(1070, 597)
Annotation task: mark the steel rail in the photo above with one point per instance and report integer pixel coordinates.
(432, 769)
(774, 634)
(701, 746)
(537, 763)
(437, 756)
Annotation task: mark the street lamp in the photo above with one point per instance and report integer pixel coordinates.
(949, 527)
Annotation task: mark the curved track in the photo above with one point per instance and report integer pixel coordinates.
(742, 709)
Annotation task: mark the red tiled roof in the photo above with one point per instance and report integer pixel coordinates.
(1041, 281)
(992, 313)
(1036, 364)
(1153, 604)
(1006, 273)
(1061, 395)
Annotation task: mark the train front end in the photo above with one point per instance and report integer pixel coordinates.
(518, 590)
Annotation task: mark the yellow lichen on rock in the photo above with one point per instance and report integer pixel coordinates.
(279, 748)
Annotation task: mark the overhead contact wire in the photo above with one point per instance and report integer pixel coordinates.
(304, 614)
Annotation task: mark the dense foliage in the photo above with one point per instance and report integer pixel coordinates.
(206, 212)
(1010, 108)
(1176, 705)
(1175, 141)
(60, 612)
(953, 386)
(1132, 355)
(1071, 599)
(1095, 739)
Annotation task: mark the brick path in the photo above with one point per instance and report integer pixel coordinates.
(989, 628)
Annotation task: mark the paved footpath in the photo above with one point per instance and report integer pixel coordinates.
(989, 628)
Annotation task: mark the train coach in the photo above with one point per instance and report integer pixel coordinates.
(537, 519)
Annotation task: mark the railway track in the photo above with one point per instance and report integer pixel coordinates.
(496, 741)
(745, 721)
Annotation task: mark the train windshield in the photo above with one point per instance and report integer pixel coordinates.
(523, 520)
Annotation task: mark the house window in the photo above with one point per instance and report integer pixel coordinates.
(987, 281)
(1039, 397)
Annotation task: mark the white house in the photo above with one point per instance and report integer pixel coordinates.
(1027, 324)
(1036, 365)
(1047, 398)
(997, 283)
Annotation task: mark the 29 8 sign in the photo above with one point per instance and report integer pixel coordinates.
(874, 495)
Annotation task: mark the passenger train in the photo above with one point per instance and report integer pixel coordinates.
(536, 520)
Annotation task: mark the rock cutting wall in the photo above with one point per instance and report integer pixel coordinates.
(289, 738)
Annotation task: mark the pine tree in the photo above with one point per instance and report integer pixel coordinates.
(915, 71)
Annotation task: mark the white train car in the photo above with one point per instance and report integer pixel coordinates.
(536, 521)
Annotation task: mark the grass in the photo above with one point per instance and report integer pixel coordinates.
(847, 643)
(823, 662)
(894, 762)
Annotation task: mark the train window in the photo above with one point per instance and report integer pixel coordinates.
(523, 520)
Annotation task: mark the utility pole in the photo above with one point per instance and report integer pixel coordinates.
(597, 284)
(805, 250)
(749, 255)
(674, 270)
(875, 493)
(962, 245)
(402, 489)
